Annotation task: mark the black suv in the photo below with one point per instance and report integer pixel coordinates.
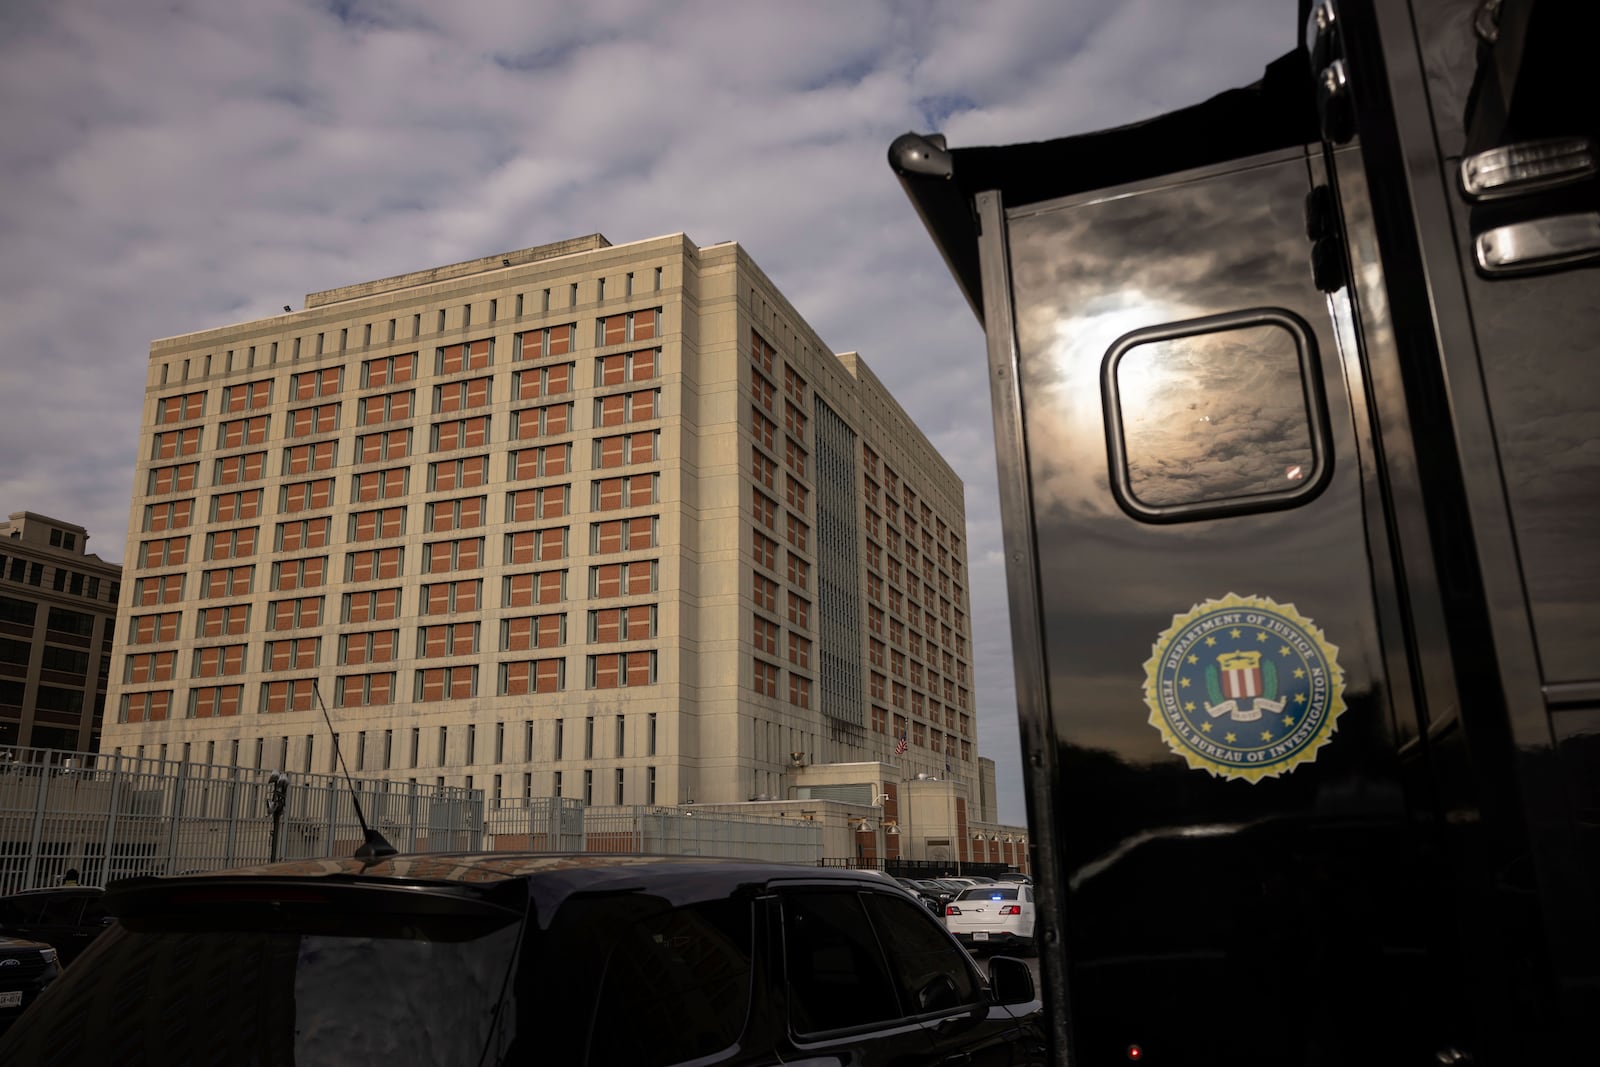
(502, 958)
(26, 967)
(67, 917)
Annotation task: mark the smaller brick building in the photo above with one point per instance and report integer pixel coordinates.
(58, 608)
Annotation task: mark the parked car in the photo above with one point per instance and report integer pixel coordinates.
(993, 915)
(960, 883)
(501, 958)
(68, 918)
(929, 900)
(936, 889)
(26, 967)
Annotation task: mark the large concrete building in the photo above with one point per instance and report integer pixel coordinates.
(583, 520)
(58, 608)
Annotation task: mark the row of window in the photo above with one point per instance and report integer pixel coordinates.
(58, 620)
(48, 700)
(548, 420)
(900, 694)
(524, 546)
(621, 328)
(459, 472)
(892, 486)
(633, 578)
(517, 590)
(913, 668)
(952, 721)
(17, 654)
(611, 670)
(521, 505)
(638, 622)
(62, 579)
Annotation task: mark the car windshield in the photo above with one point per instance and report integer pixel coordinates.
(990, 892)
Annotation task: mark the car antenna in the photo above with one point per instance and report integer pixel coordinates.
(375, 846)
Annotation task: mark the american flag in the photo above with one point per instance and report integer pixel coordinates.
(900, 745)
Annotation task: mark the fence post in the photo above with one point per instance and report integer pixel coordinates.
(41, 802)
(411, 816)
(176, 817)
(332, 792)
(111, 821)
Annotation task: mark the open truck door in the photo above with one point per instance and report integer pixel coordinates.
(1297, 414)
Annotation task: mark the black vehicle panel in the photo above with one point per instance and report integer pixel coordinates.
(1264, 878)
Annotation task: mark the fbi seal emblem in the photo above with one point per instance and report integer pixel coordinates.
(1244, 687)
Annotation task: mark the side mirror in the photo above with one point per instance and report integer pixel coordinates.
(1010, 980)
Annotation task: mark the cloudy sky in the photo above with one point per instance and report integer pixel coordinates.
(169, 166)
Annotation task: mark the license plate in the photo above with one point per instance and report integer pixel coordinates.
(12, 999)
(981, 935)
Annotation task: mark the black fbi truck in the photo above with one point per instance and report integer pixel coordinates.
(1296, 397)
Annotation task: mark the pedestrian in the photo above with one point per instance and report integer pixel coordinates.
(71, 877)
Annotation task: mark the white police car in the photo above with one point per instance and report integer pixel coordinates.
(999, 916)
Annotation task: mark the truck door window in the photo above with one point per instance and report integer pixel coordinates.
(1214, 416)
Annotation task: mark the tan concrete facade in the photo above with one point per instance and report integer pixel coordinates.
(605, 522)
(58, 605)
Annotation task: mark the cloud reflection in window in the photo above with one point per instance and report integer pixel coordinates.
(1211, 415)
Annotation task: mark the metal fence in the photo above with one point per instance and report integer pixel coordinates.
(114, 817)
(559, 824)
(110, 817)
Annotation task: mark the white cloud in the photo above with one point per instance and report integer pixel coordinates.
(177, 166)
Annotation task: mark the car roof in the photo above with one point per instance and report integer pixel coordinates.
(58, 891)
(550, 876)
